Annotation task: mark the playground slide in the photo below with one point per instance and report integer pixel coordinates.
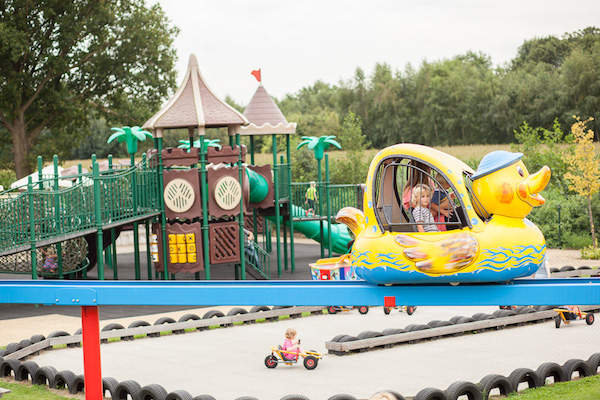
(311, 229)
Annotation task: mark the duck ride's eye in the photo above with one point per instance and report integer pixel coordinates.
(520, 171)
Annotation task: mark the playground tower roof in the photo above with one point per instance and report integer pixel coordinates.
(265, 117)
(194, 105)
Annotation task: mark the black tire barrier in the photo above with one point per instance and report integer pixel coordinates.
(567, 268)
(524, 375)
(188, 317)
(525, 310)
(503, 313)
(463, 388)
(126, 388)
(24, 343)
(12, 347)
(78, 332)
(576, 365)
(3, 353)
(431, 394)
(37, 338)
(550, 369)
(584, 267)
(63, 378)
(368, 335)
(179, 395)
(138, 323)
(109, 385)
(342, 396)
(26, 371)
(544, 308)
(455, 318)
(259, 308)
(438, 323)
(481, 316)
(347, 338)
(387, 395)
(464, 320)
(337, 337)
(244, 398)
(495, 381)
(9, 367)
(213, 314)
(58, 334)
(44, 376)
(417, 327)
(294, 397)
(112, 327)
(237, 310)
(168, 320)
(78, 385)
(207, 397)
(593, 362)
(392, 331)
(151, 392)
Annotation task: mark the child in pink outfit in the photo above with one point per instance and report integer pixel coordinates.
(291, 345)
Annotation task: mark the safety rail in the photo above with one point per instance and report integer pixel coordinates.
(258, 259)
(51, 214)
(340, 196)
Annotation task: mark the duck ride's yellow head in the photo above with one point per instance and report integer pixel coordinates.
(503, 186)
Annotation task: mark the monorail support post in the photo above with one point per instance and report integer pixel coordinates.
(90, 328)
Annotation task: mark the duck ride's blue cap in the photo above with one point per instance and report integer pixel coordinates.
(494, 161)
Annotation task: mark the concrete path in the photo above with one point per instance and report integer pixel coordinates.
(228, 363)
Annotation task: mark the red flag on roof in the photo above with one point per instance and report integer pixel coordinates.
(256, 74)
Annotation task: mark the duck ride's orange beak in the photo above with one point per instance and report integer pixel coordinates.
(531, 186)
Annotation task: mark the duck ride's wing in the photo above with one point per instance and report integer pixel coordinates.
(443, 254)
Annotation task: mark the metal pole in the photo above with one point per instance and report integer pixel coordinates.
(241, 214)
(328, 205)
(40, 165)
(320, 194)
(285, 250)
(32, 229)
(57, 219)
(98, 218)
(148, 253)
(113, 236)
(80, 180)
(163, 218)
(136, 237)
(276, 186)
(290, 204)
(254, 216)
(90, 337)
(204, 189)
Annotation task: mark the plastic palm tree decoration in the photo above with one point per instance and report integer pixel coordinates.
(131, 136)
(185, 144)
(318, 144)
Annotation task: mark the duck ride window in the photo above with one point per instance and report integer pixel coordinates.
(414, 196)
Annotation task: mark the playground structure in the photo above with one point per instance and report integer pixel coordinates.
(195, 203)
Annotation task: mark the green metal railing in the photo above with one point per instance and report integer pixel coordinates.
(283, 179)
(27, 217)
(344, 196)
(258, 259)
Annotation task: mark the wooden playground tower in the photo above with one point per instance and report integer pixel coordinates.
(173, 193)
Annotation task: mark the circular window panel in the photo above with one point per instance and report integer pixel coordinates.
(228, 193)
(179, 195)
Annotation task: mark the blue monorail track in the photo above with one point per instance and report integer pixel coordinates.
(580, 291)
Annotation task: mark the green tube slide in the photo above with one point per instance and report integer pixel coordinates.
(340, 237)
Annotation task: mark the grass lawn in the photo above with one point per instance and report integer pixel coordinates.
(22, 391)
(582, 389)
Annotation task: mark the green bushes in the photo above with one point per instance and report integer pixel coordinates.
(7, 176)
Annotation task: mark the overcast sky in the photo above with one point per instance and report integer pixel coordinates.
(299, 42)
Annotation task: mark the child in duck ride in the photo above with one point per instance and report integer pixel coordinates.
(491, 242)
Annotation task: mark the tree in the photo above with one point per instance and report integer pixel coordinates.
(61, 60)
(584, 168)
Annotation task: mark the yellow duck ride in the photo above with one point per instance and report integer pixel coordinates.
(483, 237)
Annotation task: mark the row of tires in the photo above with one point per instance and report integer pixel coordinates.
(517, 380)
(567, 268)
(14, 347)
(458, 319)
